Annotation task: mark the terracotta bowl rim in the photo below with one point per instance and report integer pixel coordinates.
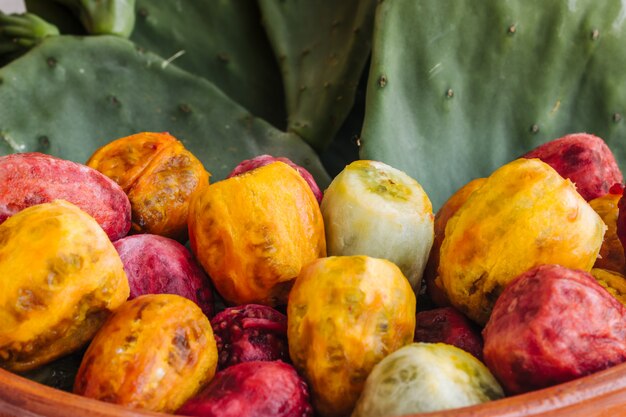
(20, 393)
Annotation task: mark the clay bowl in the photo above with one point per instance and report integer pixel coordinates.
(599, 395)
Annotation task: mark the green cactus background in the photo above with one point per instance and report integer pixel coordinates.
(458, 88)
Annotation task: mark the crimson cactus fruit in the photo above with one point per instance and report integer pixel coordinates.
(249, 389)
(28, 179)
(262, 160)
(250, 332)
(159, 265)
(550, 325)
(447, 325)
(584, 159)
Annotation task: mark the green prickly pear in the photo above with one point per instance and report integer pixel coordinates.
(20, 32)
(104, 17)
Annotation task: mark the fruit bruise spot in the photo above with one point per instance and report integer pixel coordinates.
(140, 310)
(180, 356)
(574, 155)
(28, 300)
(477, 284)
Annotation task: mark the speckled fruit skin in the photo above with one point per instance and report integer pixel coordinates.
(27, 179)
(373, 209)
(60, 277)
(259, 389)
(426, 377)
(154, 353)
(252, 233)
(159, 176)
(159, 265)
(262, 160)
(550, 325)
(346, 313)
(584, 159)
(250, 332)
(611, 254)
(447, 210)
(447, 325)
(524, 215)
(620, 224)
(613, 282)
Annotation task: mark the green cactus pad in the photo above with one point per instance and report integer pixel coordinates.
(70, 95)
(222, 41)
(459, 87)
(322, 48)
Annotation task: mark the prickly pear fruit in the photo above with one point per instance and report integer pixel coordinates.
(159, 176)
(60, 278)
(613, 282)
(154, 353)
(27, 179)
(254, 232)
(250, 332)
(158, 265)
(262, 160)
(584, 159)
(449, 208)
(621, 221)
(447, 325)
(346, 313)
(611, 254)
(550, 325)
(376, 210)
(524, 215)
(425, 377)
(260, 389)
(20, 32)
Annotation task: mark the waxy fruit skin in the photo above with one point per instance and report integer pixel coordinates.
(524, 215)
(159, 176)
(60, 278)
(154, 353)
(345, 314)
(253, 233)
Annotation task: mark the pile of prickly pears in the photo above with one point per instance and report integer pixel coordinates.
(191, 270)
